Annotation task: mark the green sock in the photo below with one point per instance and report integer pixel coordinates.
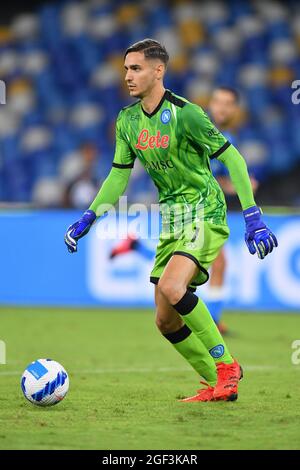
(197, 317)
(189, 346)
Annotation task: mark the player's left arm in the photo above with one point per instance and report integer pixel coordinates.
(258, 237)
(228, 188)
(202, 133)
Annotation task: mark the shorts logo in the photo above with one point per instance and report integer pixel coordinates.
(217, 351)
(165, 116)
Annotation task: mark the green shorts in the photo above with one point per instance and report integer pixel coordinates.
(200, 243)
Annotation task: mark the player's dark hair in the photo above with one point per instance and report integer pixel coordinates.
(231, 90)
(152, 50)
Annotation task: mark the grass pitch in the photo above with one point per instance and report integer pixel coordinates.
(125, 380)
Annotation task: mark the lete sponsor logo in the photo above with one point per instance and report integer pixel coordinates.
(146, 141)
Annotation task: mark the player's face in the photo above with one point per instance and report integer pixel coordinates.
(223, 107)
(141, 74)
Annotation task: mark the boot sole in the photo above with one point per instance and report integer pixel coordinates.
(232, 397)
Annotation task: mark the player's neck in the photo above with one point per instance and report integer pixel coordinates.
(151, 101)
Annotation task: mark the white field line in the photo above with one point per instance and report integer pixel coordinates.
(250, 368)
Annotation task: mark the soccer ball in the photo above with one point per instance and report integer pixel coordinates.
(45, 382)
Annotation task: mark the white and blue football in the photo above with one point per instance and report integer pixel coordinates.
(45, 382)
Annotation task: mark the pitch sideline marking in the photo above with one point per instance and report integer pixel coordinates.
(254, 368)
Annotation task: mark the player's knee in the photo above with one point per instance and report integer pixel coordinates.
(162, 324)
(167, 325)
(171, 290)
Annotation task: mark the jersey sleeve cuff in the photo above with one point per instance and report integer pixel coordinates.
(123, 166)
(220, 150)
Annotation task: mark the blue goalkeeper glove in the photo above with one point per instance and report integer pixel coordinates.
(258, 237)
(78, 230)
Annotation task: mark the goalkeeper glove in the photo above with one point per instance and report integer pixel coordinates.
(78, 230)
(258, 237)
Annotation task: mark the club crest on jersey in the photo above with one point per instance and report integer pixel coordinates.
(146, 141)
(165, 116)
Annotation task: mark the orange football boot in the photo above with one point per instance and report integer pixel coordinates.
(228, 379)
(204, 394)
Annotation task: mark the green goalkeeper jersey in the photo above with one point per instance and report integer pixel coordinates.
(174, 144)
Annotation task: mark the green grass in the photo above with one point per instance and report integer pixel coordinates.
(125, 378)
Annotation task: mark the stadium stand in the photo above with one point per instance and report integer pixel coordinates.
(63, 69)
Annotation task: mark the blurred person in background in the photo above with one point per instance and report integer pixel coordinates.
(80, 190)
(223, 110)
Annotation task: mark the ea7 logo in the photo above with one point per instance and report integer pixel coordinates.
(2, 92)
(295, 357)
(296, 94)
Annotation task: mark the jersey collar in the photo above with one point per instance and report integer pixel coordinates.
(165, 95)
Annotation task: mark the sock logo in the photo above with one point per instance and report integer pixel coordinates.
(217, 351)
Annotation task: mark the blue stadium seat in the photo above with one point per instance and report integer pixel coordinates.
(255, 51)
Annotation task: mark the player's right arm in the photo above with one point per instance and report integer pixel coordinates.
(112, 188)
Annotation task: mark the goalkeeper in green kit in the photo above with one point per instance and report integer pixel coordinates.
(175, 140)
